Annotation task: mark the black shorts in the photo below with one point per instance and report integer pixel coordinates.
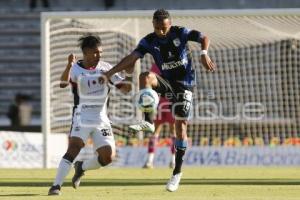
(178, 94)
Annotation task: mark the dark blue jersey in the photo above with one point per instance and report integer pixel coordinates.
(171, 54)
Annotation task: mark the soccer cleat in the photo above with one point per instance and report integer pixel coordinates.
(142, 126)
(78, 174)
(173, 183)
(54, 190)
(148, 165)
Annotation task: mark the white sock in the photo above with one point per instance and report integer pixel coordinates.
(91, 164)
(63, 170)
(173, 158)
(150, 158)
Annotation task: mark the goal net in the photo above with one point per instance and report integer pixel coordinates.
(252, 98)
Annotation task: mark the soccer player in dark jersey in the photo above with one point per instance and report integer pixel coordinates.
(168, 46)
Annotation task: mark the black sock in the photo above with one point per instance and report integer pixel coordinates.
(149, 116)
(178, 160)
(68, 157)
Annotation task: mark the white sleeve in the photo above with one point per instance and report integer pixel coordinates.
(116, 78)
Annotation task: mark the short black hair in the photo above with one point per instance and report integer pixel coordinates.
(161, 14)
(89, 41)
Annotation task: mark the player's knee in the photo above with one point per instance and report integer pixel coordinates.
(106, 155)
(105, 160)
(75, 145)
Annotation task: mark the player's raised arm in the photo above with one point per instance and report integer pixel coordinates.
(196, 36)
(65, 76)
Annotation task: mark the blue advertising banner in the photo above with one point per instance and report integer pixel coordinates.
(213, 156)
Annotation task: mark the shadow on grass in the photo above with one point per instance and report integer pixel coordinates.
(18, 195)
(145, 182)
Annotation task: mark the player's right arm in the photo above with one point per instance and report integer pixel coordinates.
(65, 76)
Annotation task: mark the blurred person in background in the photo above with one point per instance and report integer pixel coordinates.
(163, 116)
(32, 4)
(25, 110)
(109, 4)
(20, 111)
(89, 117)
(168, 46)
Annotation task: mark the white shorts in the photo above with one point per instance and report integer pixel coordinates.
(101, 135)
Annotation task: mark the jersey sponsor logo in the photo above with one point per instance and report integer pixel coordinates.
(89, 88)
(93, 82)
(157, 48)
(177, 42)
(173, 64)
(10, 145)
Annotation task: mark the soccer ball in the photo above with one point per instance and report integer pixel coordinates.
(147, 100)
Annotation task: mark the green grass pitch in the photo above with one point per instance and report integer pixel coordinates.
(203, 183)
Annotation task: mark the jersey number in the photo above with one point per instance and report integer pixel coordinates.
(106, 132)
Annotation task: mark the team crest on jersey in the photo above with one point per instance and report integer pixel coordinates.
(176, 42)
(170, 55)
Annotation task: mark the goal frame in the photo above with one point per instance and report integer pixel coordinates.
(45, 45)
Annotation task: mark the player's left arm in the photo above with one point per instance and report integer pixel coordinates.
(196, 36)
(205, 59)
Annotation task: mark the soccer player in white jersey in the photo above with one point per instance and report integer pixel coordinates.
(89, 111)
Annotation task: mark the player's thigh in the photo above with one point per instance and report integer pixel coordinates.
(182, 104)
(80, 132)
(75, 145)
(78, 137)
(104, 141)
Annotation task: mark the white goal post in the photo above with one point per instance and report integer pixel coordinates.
(254, 93)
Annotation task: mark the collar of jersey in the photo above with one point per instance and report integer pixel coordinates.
(81, 65)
